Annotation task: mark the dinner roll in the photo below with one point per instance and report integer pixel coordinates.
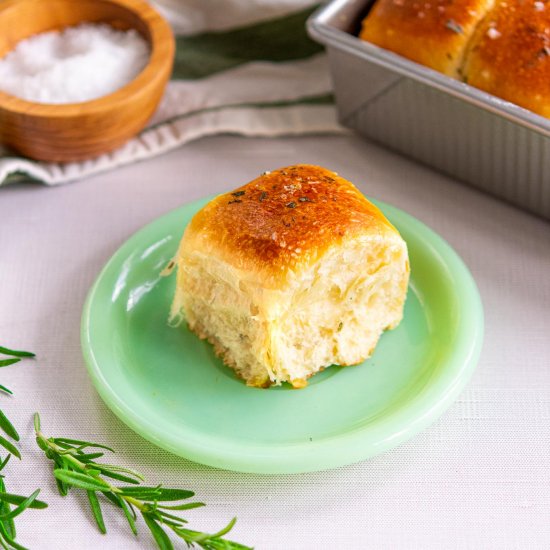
(291, 273)
(434, 33)
(509, 54)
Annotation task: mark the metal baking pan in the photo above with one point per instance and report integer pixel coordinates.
(471, 135)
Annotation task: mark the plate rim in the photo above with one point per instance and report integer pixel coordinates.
(314, 455)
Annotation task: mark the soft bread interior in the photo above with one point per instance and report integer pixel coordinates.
(341, 307)
(331, 313)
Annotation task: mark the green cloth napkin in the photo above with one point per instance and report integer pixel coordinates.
(265, 79)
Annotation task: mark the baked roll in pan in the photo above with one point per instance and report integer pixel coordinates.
(500, 47)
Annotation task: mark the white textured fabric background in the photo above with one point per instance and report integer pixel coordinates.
(477, 479)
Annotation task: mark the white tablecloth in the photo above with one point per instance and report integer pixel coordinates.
(478, 478)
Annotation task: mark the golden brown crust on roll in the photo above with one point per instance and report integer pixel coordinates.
(431, 32)
(284, 219)
(509, 55)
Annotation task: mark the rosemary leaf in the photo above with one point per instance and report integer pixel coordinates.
(120, 477)
(4, 462)
(159, 494)
(176, 519)
(7, 426)
(113, 468)
(8, 541)
(10, 447)
(8, 362)
(16, 353)
(160, 536)
(82, 481)
(188, 506)
(21, 507)
(81, 444)
(220, 533)
(96, 510)
(5, 508)
(89, 456)
(18, 499)
(114, 499)
(130, 515)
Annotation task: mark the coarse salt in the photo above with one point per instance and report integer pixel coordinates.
(493, 33)
(77, 64)
(539, 6)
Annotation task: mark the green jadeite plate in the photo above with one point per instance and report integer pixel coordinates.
(168, 385)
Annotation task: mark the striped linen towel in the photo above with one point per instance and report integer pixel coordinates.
(262, 77)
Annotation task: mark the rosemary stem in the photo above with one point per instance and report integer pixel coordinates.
(80, 465)
(54, 447)
(135, 502)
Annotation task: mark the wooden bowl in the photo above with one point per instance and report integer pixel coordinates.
(78, 131)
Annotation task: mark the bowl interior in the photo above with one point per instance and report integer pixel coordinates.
(20, 19)
(24, 18)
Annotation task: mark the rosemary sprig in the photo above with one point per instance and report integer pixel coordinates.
(5, 425)
(75, 466)
(7, 513)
